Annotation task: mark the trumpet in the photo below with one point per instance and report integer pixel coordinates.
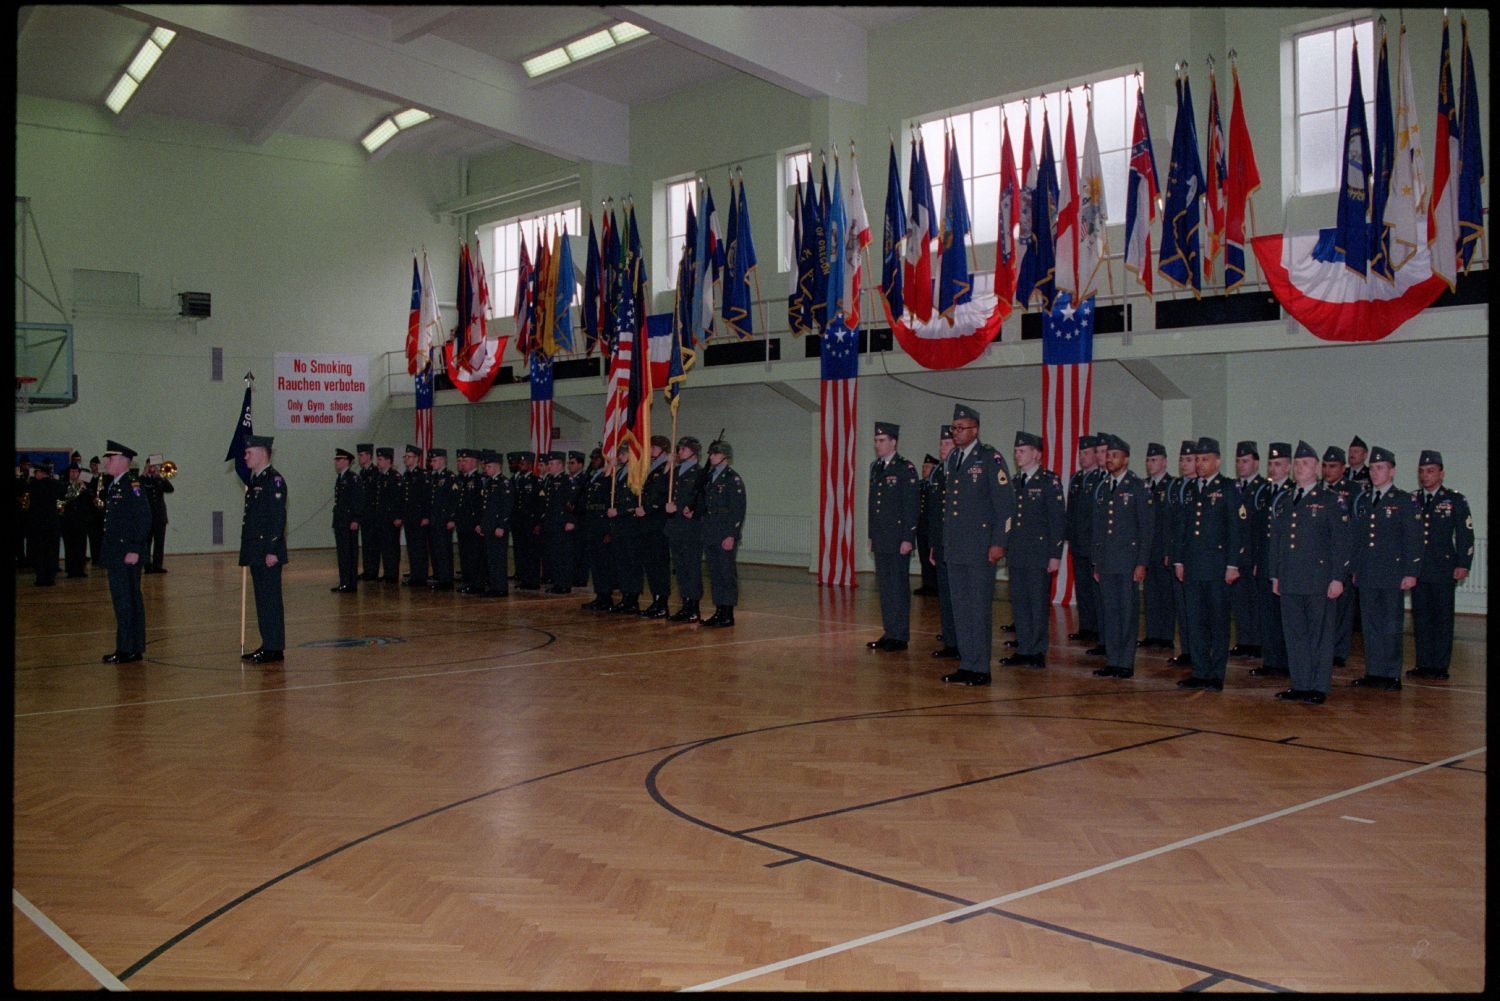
(168, 469)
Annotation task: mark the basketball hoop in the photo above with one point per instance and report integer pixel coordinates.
(23, 391)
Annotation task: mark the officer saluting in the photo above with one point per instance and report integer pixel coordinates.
(348, 502)
(1388, 532)
(1124, 519)
(1034, 549)
(263, 547)
(892, 525)
(127, 528)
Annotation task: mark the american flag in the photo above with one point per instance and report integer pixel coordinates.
(424, 408)
(1140, 210)
(619, 375)
(541, 403)
(840, 395)
(1214, 196)
(1067, 393)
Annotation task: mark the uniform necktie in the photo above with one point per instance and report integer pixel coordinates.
(1297, 499)
(1375, 502)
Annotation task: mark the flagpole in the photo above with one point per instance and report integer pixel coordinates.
(244, 573)
(765, 320)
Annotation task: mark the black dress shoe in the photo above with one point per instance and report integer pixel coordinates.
(946, 653)
(1036, 661)
(687, 613)
(1238, 650)
(958, 677)
(599, 604)
(127, 658)
(877, 644)
(1314, 698)
(1438, 675)
(1081, 635)
(1008, 628)
(559, 589)
(442, 585)
(1391, 685)
(493, 593)
(1213, 685)
(1367, 682)
(722, 618)
(1124, 672)
(1193, 682)
(417, 582)
(1268, 672)
(1018, 660)
(1012, 643)
(267, 657)
(1181, 660)
(976, 679)
(895, 646)
(1106, 672)
(1419, 672)
(1097, 651)
(1291, 695)
(251, 654)
(110, 657)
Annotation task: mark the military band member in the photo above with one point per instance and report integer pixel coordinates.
(1309, 563)
(441, 515)
(416, 515)
(1081, 487)
(1187, 472)
(925, 501)
(467, 524)
(892, 528)
(596, 532)
(526, 522)
(1244, 608)
(1447, 555)
(44, 496)
(979, 505)
(1279, 488)
(684, 529)
(370, 535)
(1123, 523)
(77, 515)
(156, 488)
(624, 531)
(127, 527)
(651, 513)
(263, 547)
(1207, 558)
(1161, 611)
(1387, 523)
(1033, 549)
(936, 487)
(723, 519)
(348, 502)
(492, 525)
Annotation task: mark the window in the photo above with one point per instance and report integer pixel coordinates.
(977, 134)
(794, 165)
(680, 194)
(1320, 65)
(502, 247)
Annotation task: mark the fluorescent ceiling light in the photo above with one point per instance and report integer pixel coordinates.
(546, 62)
(144, 60)
(120, 94)
(150, 51)
(625, 31)
(590, 45)
(411, 116)
(163, 36)
(378, 135)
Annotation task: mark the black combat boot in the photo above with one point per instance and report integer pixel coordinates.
(687, 613)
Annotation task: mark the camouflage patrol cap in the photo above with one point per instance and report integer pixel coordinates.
(1379, 454)
(1278, 450)
(1305, 451)
(1027, 438)
(1155, 448)
(1247, 448)
(1430, 457)
(1334, 454)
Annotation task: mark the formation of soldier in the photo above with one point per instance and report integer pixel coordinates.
(562, 520)
(1286, 564)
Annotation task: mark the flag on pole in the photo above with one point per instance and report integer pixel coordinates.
(1442, 226)
(1025, 227)
(424, 408)
(592, 293)
(619, 375)
(1093, 243)
(1470, 158)
(739, 257)
(1044, 223)
(798, 314)
(432, 332)
(1242, 181)
(243, 429)
(414, 320)
(564, 287)
(955, 281)
(481, 294)
(1181, 262)
(836, 228)
(839, 396)
(1067, 210)
(525, 312)
(1214, 194)
(920, 231)
(541, 403)
(857, 238)
(817, 207)
(1353, 238)
(1406, 212)
(461, 341)
(1382, 165)
(708, 266)
(1007, 263)
(1140, 210)
(1067, 396)
(895, 231)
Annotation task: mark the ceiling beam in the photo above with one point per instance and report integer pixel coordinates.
(271, 109)
(425, 21)
(442, 77)
(805, 50)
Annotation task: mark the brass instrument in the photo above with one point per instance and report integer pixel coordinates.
(168, 469)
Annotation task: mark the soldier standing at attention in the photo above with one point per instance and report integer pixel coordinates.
(936, 486)
(892, 527)
(492, 525)
(1123, 521)
(651, 514)
(348, 501)
(44, 522)
(526, 523)
(1272, 632)
(1161, 611)
(978, 506)
(1243, 606)
(1207, 558)
(1309, 562)
(1347, 606)
(415, 519)
(596, 533)
(440, 526)
(684, 532)
(468, 513)
(263, 547)
(553, 498)
(578, 482)
(1447, 554)
(1187, 474)
(723, 517)
(127, 527)
(97, 487)
(1387, 557)
(369, 521)
(925, 501)
(1034, 549)
(623, 537)
(388, 512)
(1081, 486)
(1358, 471)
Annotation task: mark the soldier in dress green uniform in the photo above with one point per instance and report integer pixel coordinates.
(1080, 523)
(578, 478)
(723, 518)
(1346, 612)
(1034, 549)
(387, 485)
(596, 532)
(1208, 557)
(555, 496)
(1447, 555)
(1387, 559)
(1187, 473)
(348, 502)
(684, 529)
(1124, 519)
(526, 522)
(1161, 611)
(1279, 487)
(493, 523)
(468, 516)
(263, 547)
(441, 515)
(369, 522)
(1244, 609)
(416, 515)
(935, 486)
(892, 527)
(624, 531)
(652, 515)
(122, 553)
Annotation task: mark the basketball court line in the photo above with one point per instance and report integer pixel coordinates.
(946, 916)
(65, 941)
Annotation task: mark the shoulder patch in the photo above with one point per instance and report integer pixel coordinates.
(1000, 475)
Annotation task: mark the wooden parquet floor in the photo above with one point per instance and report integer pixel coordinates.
(437, 792)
